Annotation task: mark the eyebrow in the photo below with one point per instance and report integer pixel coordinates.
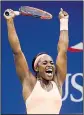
(47, 61)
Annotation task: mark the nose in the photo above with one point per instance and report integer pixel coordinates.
(49, 65)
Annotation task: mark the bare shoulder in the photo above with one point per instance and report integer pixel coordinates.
(28, 85)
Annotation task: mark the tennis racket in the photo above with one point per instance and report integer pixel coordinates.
(31, 11)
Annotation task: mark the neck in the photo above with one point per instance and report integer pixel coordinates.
(44, 81)
(45, 84)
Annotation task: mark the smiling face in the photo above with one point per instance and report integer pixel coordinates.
(46, 68)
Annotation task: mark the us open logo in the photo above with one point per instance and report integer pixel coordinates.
(71, 79)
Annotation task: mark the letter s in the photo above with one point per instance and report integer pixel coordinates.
(76, 86)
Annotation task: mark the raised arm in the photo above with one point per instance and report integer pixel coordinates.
(19, 58)
(61, 62)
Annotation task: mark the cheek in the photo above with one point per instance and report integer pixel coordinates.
(41, 68)
(54, 68)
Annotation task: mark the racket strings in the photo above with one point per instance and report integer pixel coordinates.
(34, 11)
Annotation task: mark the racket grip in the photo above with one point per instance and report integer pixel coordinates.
(17, 13)
(7, 13)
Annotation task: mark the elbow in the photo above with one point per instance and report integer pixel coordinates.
(62, 47)
(63, 50)
(17, 51)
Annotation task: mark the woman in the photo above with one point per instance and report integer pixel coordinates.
(42, 93)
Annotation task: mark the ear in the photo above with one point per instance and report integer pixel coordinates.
(37, 69)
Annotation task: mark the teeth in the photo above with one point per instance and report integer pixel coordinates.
(49, 69)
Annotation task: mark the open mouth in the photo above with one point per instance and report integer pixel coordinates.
(49, 72)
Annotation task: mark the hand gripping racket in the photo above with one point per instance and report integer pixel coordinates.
(31, 11)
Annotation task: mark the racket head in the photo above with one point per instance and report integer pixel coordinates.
(35, 12)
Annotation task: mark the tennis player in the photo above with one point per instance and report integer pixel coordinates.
(42, 93)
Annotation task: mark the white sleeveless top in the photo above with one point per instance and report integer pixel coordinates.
(42, 102)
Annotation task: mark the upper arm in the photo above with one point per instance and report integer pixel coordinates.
(61, 66)
(21, 65)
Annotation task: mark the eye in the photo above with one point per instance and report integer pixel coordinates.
(52, 62)
(44, 63)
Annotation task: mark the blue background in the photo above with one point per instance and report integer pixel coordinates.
(36, 36)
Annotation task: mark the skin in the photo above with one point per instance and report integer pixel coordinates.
(27, 79)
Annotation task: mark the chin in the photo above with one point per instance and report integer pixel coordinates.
(49, 78)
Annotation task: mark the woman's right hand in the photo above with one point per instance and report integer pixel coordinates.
(8, 14)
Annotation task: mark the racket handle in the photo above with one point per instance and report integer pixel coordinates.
(7, 13)
(16, 13)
